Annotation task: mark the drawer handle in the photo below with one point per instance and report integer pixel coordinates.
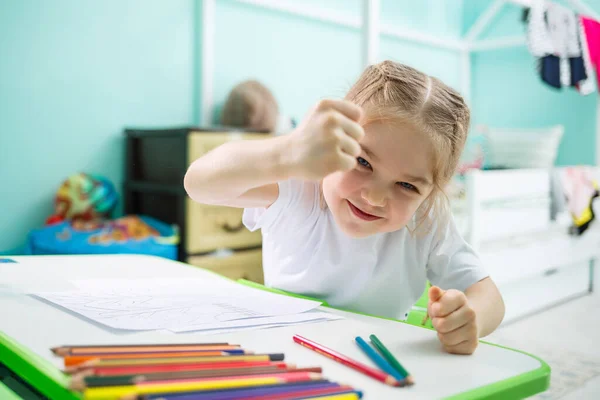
(232, 229)
(551, 272)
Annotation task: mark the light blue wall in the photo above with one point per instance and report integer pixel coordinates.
(507, 92)
(72, 75)
(303, 61)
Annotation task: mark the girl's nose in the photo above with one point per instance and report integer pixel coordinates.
(375, 197)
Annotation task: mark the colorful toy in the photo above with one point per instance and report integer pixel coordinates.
(84, 197)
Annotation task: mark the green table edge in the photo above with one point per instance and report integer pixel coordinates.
(35, 370)
(7, 394)
(52, 383)
(516, 387)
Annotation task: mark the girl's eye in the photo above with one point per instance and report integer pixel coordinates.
(363, 162)
(408, 186)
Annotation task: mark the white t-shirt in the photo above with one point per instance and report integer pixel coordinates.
(305, 252)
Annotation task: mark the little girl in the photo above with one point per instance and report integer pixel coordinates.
(351, 204)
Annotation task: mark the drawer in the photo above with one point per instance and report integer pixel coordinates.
(214, 227)
(209, 228)
(245, 264)
(200, 143)
(544, 290)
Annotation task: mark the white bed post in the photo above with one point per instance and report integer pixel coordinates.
(465, 74)
(597, 132)
(207, 62)
(370, 32)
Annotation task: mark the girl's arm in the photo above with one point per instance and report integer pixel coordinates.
(485, 299)
(245, 173)
(240, 173)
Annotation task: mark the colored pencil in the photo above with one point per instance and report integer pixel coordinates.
(186, 386)
(110, 348)
(235, 369)
(181, 360)
(280, 392)
(81, 383)
(347, 361)
(346, 396)
(391, 359)
(236, 393)
(312, 394)
(76, 360)
(177, 352)
(145, 369)
(379, 360)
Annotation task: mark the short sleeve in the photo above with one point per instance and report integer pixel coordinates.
(293, 195)
(453, 263)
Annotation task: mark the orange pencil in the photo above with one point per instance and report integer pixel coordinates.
(76, 360)
(173, 360)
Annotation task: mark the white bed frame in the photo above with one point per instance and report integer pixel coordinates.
(533, 260)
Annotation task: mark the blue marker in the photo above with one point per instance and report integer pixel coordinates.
(378, 359)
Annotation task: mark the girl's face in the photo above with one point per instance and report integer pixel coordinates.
(391, 180)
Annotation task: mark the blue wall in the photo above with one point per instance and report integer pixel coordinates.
(72, 75)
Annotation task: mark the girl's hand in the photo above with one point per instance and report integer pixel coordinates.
(327, 140)
(454, 320)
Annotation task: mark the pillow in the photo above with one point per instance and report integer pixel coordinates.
(507, 148)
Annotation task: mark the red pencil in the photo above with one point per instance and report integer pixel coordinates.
(145, 369)
(342, 359)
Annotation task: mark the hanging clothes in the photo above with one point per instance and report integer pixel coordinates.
(550, 70)
(562, 27)
(592, 36)
(554, 38)
(539, 41)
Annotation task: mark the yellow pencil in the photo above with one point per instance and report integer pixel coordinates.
(131, 391)
(343, 396)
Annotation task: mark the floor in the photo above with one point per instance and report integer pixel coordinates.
(568, 338)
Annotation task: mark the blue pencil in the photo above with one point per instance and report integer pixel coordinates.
(378, 359)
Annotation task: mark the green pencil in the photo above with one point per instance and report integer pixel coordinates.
(391, 359)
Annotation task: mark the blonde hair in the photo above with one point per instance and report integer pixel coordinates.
(393, 91)
(251, 105)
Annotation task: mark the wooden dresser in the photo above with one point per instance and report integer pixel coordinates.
(211, 236)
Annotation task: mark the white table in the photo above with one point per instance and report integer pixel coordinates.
(38, 326)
